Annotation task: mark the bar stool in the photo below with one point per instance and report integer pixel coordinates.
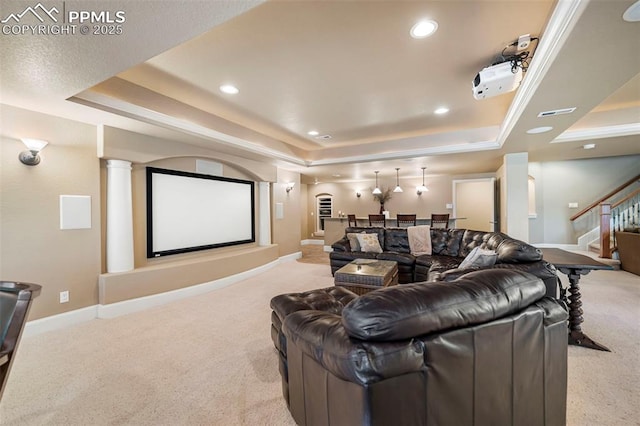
(377, 220)
(405, 220)
(440, 219)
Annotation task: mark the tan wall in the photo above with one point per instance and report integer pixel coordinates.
(286, 231)
(32, 246)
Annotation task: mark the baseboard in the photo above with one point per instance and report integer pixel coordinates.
(312, 242)
(290, 257)
(56, 322)
(560, 246)
(67, 319)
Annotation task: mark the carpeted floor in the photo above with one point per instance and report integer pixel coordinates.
(209, 360)
(314, 253)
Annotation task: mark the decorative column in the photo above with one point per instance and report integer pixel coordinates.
(516, 201)
(264, 201)
(119, 217)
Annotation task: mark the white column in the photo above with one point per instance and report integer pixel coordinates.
(264, 201)
(119, 217)
(516, 176)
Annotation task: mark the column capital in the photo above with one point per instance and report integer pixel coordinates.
(119, 164)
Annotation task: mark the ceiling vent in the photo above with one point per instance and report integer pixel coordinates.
(323, 137)
(557, 112)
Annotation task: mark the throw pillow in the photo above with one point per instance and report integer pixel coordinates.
(479, 258)
(353, 241)
(369, 243)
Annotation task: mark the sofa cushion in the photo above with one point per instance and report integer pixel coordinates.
(351, 255)
(485, 240)
(401, 258)
(402, 312)
(446, 242)
(330, 299)
(479, 258)
(369, 243)
(395, 239)
(442, 264)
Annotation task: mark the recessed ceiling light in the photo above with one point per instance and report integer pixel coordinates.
(313, 133)
(589, 146)
(537, 130)
(632, 14)
(229, 89)
(424, 29)
(441, 110)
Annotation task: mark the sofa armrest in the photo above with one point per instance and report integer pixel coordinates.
(322, 337)
(342, 244)
(404, 312)
(516, 251)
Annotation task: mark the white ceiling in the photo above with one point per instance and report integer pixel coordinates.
(348, 69)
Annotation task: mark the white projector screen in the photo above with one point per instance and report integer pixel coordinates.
(189, 211)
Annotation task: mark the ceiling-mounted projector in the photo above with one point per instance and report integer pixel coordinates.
(496, 80)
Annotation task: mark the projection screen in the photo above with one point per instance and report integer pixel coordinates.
(190, 211)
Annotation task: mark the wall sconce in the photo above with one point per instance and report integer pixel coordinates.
(289, 187)
(358, 193)
(420, 189)
(31, 157)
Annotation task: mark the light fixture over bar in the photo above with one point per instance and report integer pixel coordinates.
(397, 188)
(376, 190)
(420, 189)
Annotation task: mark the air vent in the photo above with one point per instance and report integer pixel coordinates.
(323, 137)
(556, 112)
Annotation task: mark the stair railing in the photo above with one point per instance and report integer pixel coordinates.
(612, 217)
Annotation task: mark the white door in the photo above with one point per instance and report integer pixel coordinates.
(474, 204)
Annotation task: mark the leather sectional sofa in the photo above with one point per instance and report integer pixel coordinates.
(486, 348)
(449, 248)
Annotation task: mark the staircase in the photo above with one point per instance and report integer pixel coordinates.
(616, 211)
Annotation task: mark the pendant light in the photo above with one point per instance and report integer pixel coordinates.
(420, 189)
(397, 189)
(376, 191)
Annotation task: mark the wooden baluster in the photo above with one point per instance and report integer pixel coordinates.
(605, 230)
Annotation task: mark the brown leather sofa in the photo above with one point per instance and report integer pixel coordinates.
(485, 349)
(449, 248)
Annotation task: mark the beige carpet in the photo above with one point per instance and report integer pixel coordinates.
(314, 253)
(209, 360)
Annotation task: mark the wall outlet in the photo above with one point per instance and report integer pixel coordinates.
(448, 206)
(64, 296)
(573, 205)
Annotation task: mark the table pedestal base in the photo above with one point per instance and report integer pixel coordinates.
(578, 338)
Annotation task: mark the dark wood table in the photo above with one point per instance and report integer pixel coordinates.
(574, 265)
